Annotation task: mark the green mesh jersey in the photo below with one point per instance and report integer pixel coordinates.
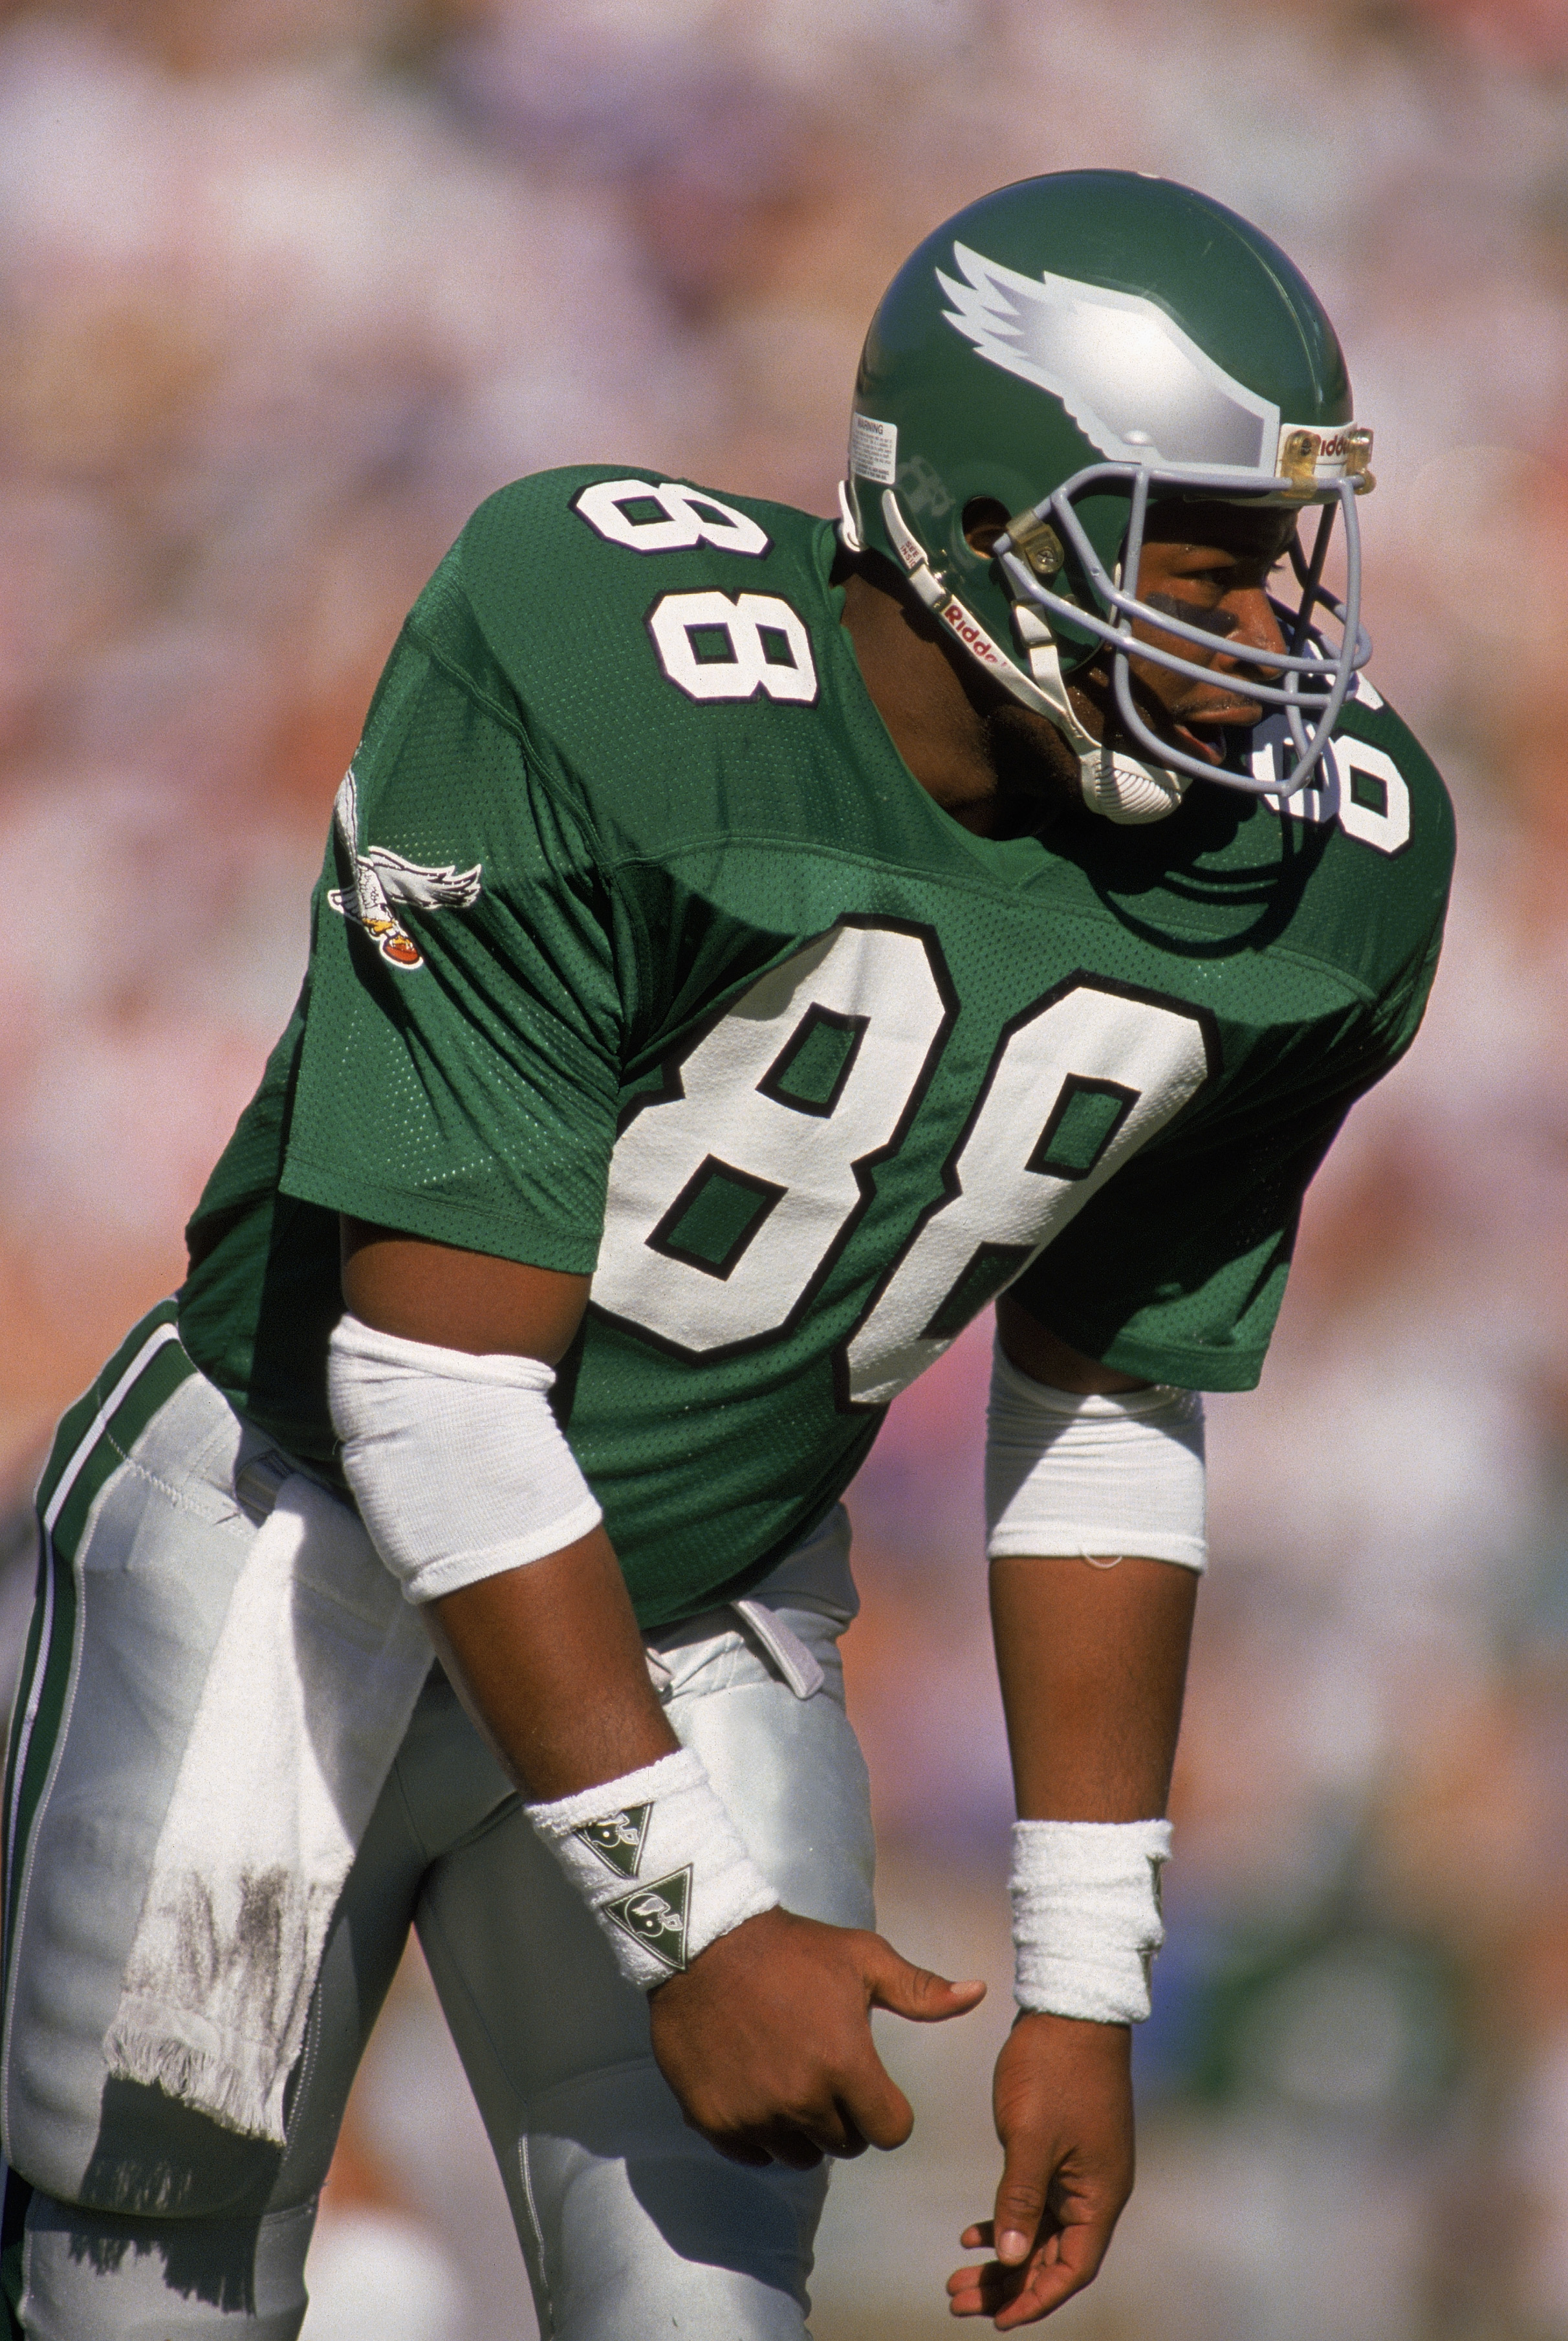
(639, 952)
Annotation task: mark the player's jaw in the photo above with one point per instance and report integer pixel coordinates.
(1195, 721)
(1188, 713)
(1184, 714)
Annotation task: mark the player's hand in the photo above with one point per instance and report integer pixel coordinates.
(766, 2039)
(1064, 2110)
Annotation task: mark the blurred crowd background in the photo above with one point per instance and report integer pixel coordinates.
(286, 287)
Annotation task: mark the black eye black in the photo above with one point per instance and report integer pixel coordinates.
(1213, 621)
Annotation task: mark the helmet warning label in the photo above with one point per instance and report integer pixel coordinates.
(874, 450)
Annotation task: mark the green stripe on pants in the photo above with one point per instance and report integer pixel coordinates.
(89, 1449)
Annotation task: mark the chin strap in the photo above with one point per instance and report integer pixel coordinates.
(1120, 786)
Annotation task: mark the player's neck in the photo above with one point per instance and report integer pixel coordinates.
(920, 698)
(938, 713)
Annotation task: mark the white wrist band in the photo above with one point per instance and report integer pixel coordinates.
(457, 1466)
(1065, 1473)
(1086, 1916)
(658, 1862)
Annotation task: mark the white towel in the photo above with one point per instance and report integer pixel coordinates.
(308, 1695)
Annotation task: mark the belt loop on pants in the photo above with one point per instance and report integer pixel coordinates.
(787, 1653)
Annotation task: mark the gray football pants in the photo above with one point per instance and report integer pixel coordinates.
(140, 2219)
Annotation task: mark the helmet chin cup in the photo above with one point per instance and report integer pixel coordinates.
(1122, 787)
(1127, 791)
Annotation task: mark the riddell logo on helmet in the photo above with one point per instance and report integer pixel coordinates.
(973, 637)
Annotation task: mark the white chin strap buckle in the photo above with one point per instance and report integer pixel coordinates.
(1128, 791)
(1114, 783)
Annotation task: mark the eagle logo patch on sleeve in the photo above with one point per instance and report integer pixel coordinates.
(381, 877)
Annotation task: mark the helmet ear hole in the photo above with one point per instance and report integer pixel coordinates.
(983, 520)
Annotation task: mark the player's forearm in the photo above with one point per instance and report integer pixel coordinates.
(547, 1658)
(1092, 1664)
(549, 1661)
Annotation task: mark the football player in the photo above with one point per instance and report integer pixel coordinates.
(748, 948)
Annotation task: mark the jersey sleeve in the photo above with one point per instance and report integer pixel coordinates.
(1176, 1270)
(461, 1064)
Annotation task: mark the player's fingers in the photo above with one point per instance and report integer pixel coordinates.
(1019, 2296)
(967, 2298)
(804, 2135)
(798, 2137)
(780, 2140)
(1001, 2294)
(970, 2284)
(790, 2147)
(990, 2289)
(1021, 2197)
(871, 2104)
(915, 1992)
(869, 2097)
(793, 2146)
(737, 2150)
(1055, 2275)
(1061, 2260)
(758, 2140)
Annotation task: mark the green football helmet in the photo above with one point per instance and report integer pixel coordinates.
(1071, 348)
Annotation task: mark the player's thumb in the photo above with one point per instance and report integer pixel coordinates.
(1021, 2198)
(915, 1992)
(872, 2098)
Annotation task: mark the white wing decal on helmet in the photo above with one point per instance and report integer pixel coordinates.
(1135, 384)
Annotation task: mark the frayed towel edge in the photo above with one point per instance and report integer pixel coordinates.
(210, 2080)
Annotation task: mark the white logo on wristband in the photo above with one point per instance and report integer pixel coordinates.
(658, 1862)
(619, 1841)
(654, 1915)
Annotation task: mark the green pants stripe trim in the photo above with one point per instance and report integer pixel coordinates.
(87, 1414)
(30, 1658)
(89, 1447)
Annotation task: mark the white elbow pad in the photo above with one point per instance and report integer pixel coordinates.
(1108, 1475)
(457, 1466)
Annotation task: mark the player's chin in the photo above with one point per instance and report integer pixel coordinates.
(1199, 732)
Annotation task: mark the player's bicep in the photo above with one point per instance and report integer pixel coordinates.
(458, 1299)
(1045, 1356)
(460, 1074)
